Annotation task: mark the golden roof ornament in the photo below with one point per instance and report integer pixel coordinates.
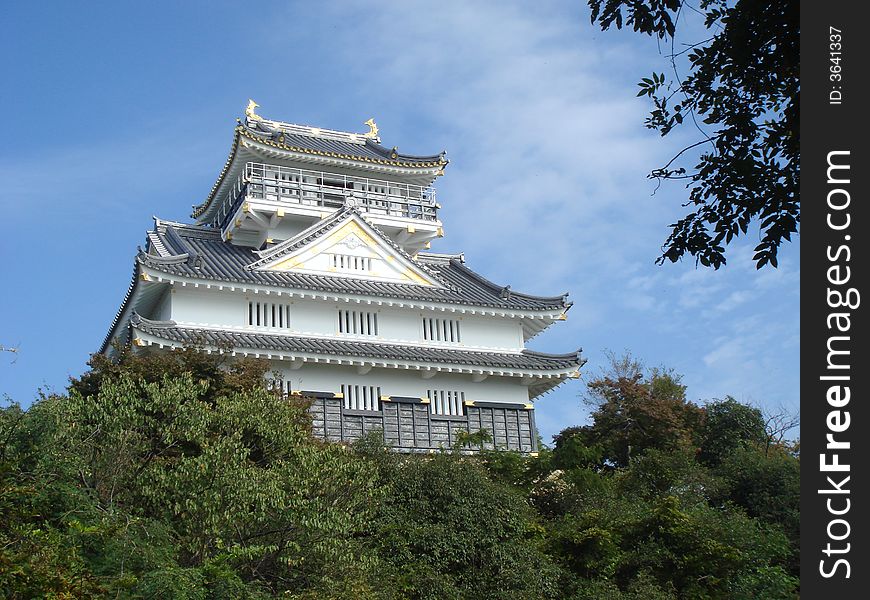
(249, 111)
(372, 133)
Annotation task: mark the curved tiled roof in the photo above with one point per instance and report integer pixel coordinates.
(526, 360)
(368, 151)
(220, 261)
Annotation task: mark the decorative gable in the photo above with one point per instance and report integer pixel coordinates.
(345, 245)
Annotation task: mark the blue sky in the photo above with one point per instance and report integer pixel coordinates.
(115, 112)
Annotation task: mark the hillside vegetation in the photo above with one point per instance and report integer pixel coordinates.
(176, 477)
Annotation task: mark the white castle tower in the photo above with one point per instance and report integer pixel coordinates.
(309, 252)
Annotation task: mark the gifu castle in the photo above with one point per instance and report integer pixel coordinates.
(311, 251)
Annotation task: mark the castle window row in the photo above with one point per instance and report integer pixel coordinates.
(268, 314)
(358, 322)
(446, 402)
(345, 262)
(361, 397)
(350, 322)
(368, 398)
(441, 330)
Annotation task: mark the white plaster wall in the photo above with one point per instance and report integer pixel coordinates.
(329, 378)
(208, 307)
(320, 318)
(314, 318)
(163, 311)
(491, 332)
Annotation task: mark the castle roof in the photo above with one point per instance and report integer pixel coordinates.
(198, 252)
(316, 140)
(277, 138)
(293, 347)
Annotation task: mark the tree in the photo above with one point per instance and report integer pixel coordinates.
(181, 477)
(236, 476)
(766, 484)
(637, 410)
(729, 425)
(446, 530)
(739, 88)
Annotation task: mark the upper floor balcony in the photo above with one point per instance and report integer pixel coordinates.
(405, 211)
(302, 187)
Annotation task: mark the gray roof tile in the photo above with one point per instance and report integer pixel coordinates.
(526, 360)
(369, 150)
(217, 260)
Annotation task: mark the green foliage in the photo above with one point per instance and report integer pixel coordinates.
(472, 441)
(766, 484)
(237, 476)
(739, 90)
(658, 474)
(672, 547)
(446, 530)
(636, 411)
(729, 425)
(184, 479)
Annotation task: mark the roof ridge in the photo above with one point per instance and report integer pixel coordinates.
(155, 261)
(460, 256)
(389, 152)
(158, 222)
(271, 127)
(133, 280)
(363, 349)
(311, 130)
(506, 289)
(177, 243)
(200, 208)
(318, 227)
(566, 355)
(136, 319)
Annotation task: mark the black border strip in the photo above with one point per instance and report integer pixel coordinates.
(834, 231)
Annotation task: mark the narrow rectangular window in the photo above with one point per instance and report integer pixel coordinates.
(268, 314)
(441, 330)
(361, 397)
(446, 402)
(347, 262)
(357, 322)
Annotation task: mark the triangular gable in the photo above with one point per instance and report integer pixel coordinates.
(345, 245)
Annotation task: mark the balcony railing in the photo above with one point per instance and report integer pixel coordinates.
(302, 187)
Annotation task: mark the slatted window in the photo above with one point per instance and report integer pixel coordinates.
(276, 385)
(346, 262)
(268, 314)
(441, 330)
(362, 397)
(446, 402)
(358, 322)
